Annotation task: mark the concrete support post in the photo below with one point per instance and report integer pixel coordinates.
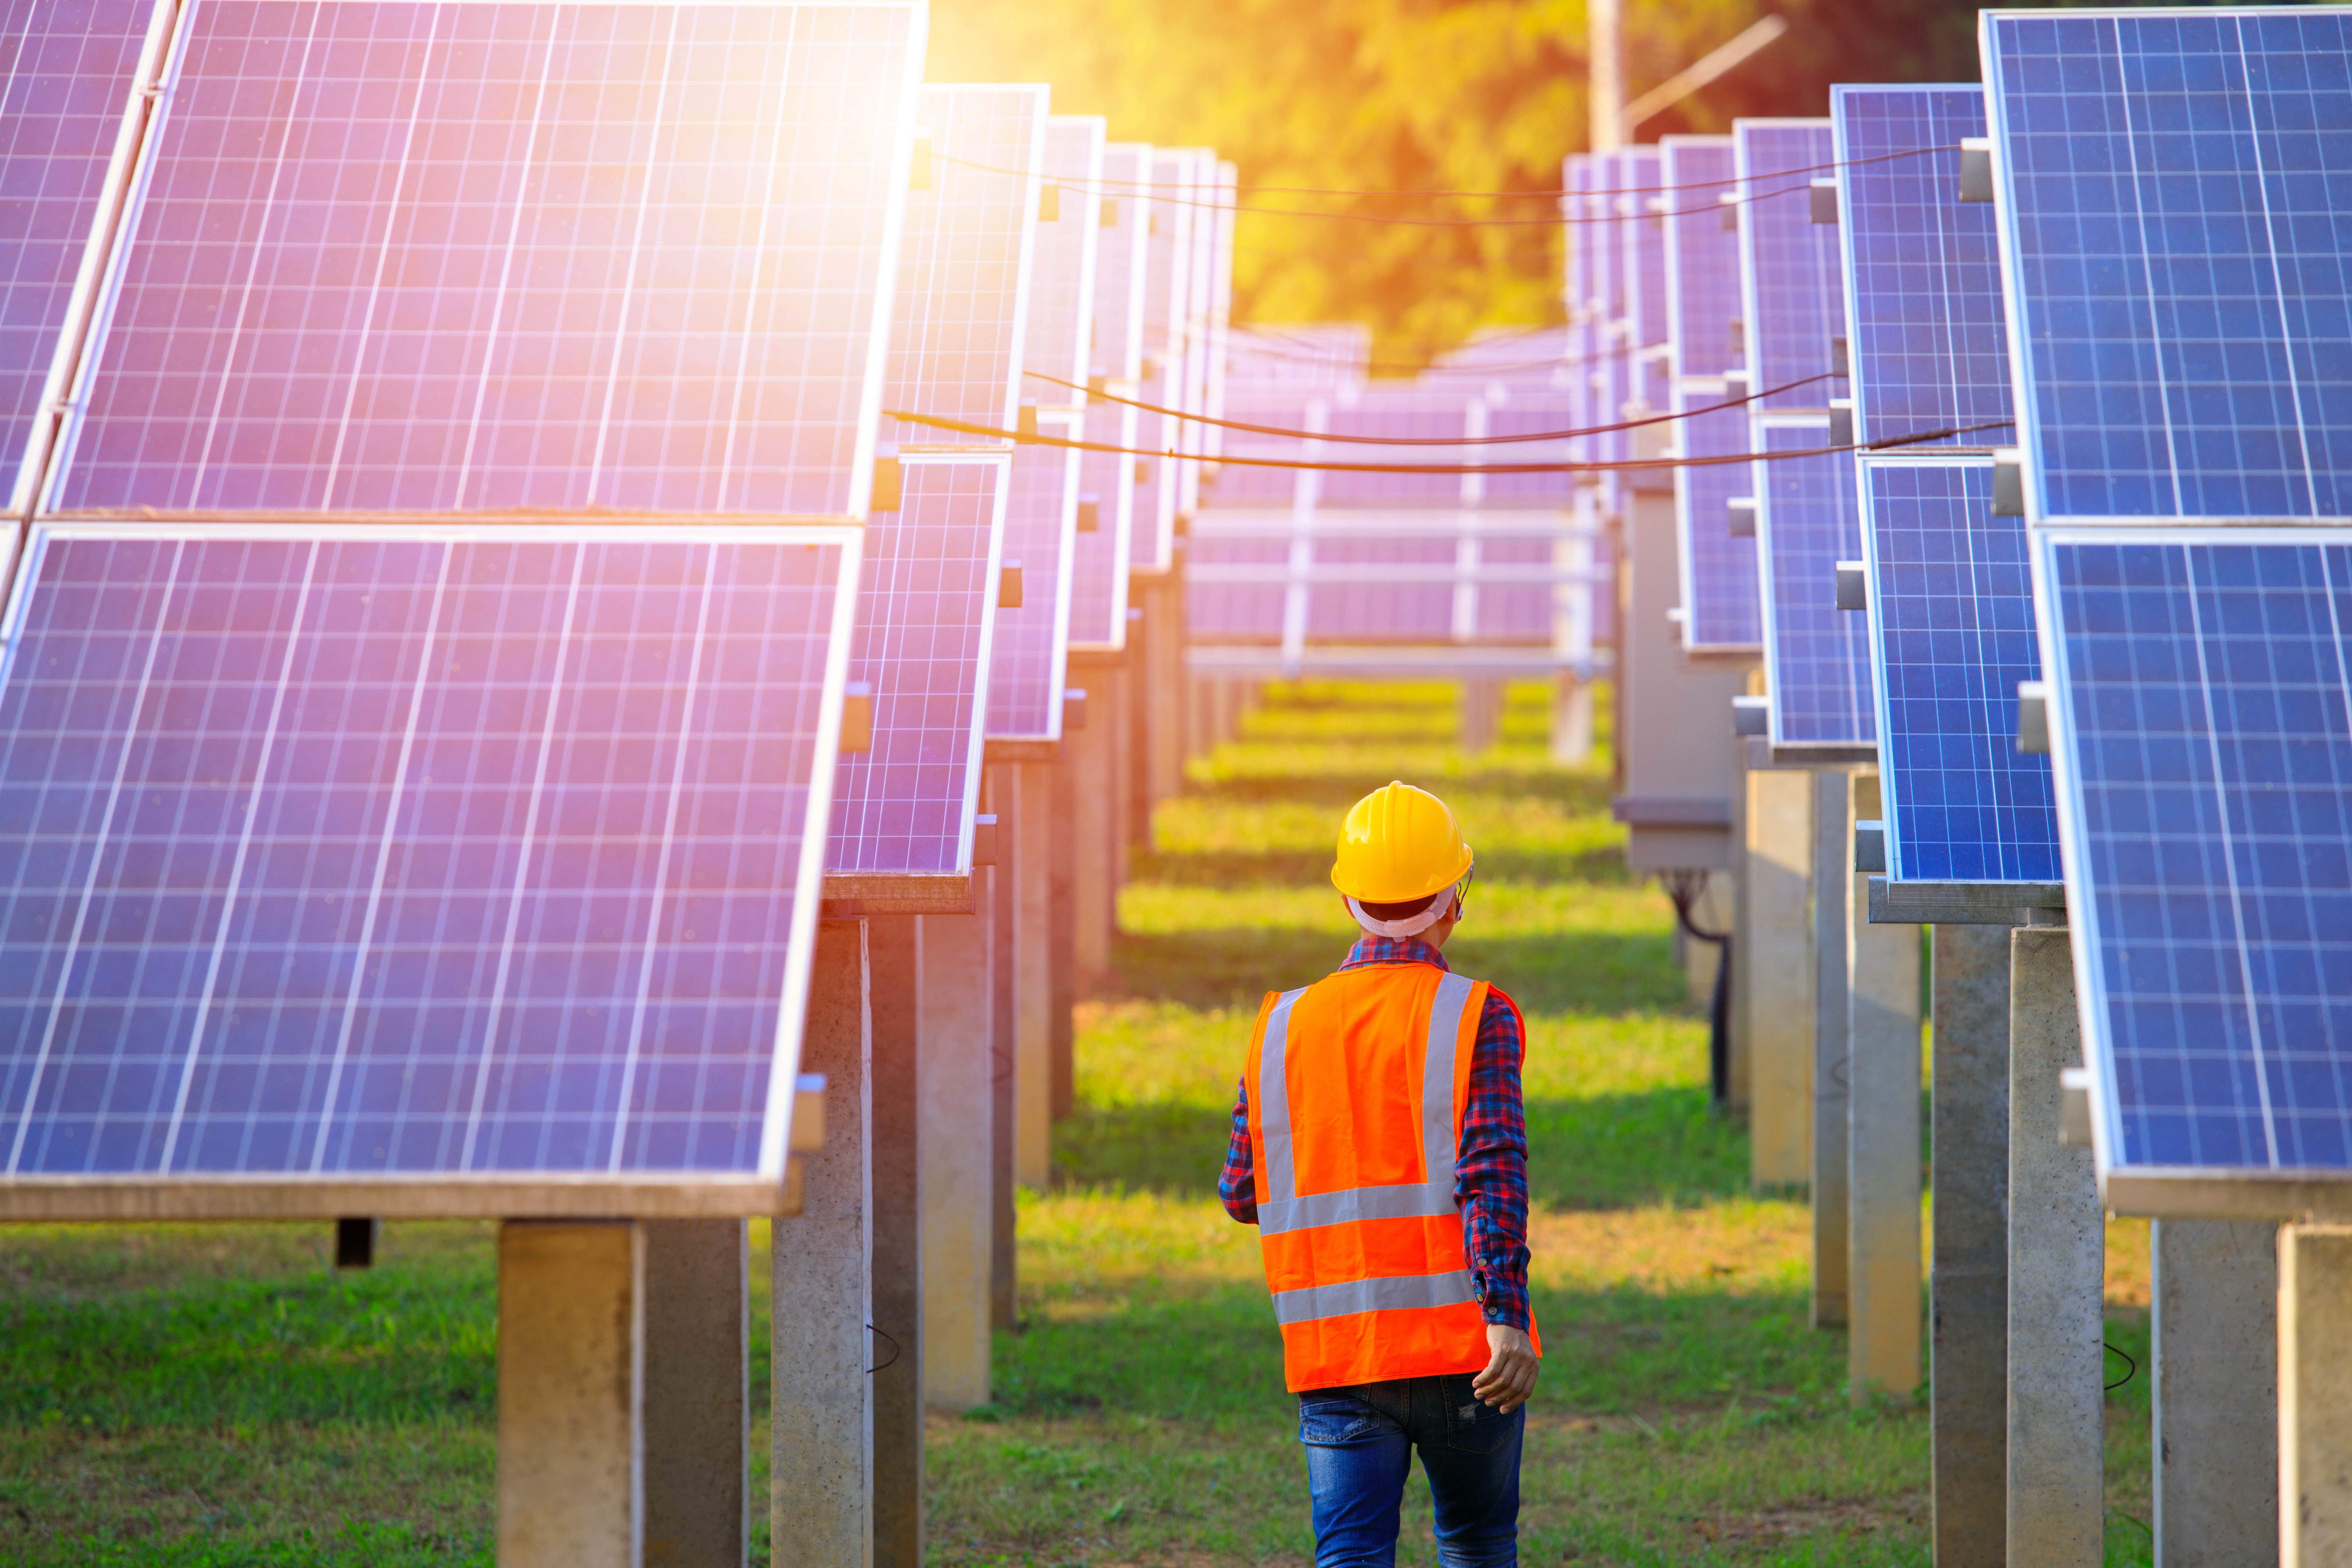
(1571, 722)
(1969, 1271)
(1032, 978)
(1163, 681)
(2314, 1419)
(894, 958)
(1092, 754)
(1061, 958)
(1882, 1138)
(2214, 1324)
(1002, 788)
(1832, 870)
(2057, 1259)
(1781, 979)
(1481, 715)
(570, 1383)
(1135, 733)
(698, 1407)
(952, 1069)
(1738, 1088)
(820, 1421)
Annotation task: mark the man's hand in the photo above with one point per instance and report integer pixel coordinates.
(1511, 1367)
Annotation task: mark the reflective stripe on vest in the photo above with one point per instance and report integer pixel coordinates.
(1449, 1289)
(1281, 1209)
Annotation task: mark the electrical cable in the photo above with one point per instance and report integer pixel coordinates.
(896, 1351)
(2131, 1368)
(1133, 187)
(1630, 465)
(1682, 890)
(1433, 440)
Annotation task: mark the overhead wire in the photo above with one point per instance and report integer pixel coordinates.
(1433, 440)
(1629, 465)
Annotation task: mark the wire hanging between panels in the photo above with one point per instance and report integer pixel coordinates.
(1435, 441)
(1626, 465)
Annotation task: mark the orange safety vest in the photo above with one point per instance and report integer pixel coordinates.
(1358, 1086)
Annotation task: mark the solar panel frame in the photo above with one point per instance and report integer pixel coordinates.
(1790, 269)
(1168, 252)
(407, 919)
(925, 643)
(1952, 634)
(1103, 557)
(1032, 661)
(960, 317)
(1720, 598)
(2200, 711)
(1816, 655)
(524, 378)
(1927, 324)
(2173, 249)
(86, 141)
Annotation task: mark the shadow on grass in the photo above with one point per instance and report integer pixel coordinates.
(1616, 1150)
(1572, 971)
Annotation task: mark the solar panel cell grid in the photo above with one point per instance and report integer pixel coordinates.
(961, 314)
(1929, 326)
(1792, 290)
(435, 257)
(1721, 602)
(2204, 719)
(1099, 578)
(1952, 610)
(925, 613)
(1702, 257)
(2174, 190)
(405, 852)
(67, 72)
(1169, 254)
(1816, 655)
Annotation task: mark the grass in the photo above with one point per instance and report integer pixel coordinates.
(202, 1397)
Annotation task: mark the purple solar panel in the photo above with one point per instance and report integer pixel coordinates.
(1106, 484)
(465, 256)
(70, 70)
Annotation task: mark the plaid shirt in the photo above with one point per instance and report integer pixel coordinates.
(1490, 1180)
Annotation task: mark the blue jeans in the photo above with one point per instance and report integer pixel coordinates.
(1359, 1442)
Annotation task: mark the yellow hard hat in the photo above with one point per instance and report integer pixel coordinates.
(1399, 844)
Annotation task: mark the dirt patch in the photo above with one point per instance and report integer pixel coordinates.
(1768, 1526)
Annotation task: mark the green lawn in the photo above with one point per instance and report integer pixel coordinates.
(218, 1395)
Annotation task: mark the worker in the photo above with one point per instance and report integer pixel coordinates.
(1379, 1145)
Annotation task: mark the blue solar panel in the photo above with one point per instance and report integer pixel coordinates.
(1816, 655)
(407, 851)
(1792, 293)
(2201, 683)
(1702, 256)
(926, 615)
(1928, 330)
(1952, 610)
(1028, 672)
(2176, 195)
(1099, 571)
(961, 321)
(461, 256)
(68, 69)
(1721, 604)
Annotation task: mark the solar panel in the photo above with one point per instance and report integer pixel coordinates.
(68, 78)
(377, 852)
(1028, 671)
(1221, 300)
(1816, 655)
(1410, 415)
(1792, 293)
(960, 320)
(1521, 410)
(1168, 255)
(925, 614)
(2201, 682)
(2175, 192)
(1099, 570)
(1951, 607)
(1296, 356)
(1198, 330)
(1925, 319)
(462, 257)
(1719, 596)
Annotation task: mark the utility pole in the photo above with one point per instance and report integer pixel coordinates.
(1607, 85)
